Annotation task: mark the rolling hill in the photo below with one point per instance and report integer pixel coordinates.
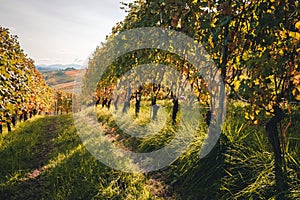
(62, 79)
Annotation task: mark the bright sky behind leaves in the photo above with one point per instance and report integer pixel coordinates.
(60, 31)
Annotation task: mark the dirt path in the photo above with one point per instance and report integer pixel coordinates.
(156, 185)
(42, 157)
(32, 183)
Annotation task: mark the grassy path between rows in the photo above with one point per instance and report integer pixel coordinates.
(44, 158)
(25, 157)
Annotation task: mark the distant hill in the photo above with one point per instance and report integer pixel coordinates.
(62, 79)
(43, 68)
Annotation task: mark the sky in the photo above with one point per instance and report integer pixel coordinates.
(60, 31)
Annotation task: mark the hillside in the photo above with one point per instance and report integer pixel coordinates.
(62, 79)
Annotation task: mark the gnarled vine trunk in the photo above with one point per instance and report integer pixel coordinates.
(273, 136)
(155, 108)
(116, 102)
(208, 117)
(175, 110)
(108, 104)
(137, 104)
(138, 99)
(126, 106)
(127, 101)
(13, 120)
(104, 102)
(8, 126)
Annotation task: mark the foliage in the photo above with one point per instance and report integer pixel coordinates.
(22, 87)
(255, 45)
(63, 101)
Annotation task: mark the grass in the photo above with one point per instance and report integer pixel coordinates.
(44, 158)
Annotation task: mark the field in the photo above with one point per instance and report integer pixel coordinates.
(61, 79)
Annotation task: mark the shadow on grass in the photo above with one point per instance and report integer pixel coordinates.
(65, 169)
(199, 179)
(23, 153)
(27, 147)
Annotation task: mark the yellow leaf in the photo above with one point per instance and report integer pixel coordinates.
(257, 112)
(296, 81)
(281, 52)
(247, 115)
(283, 34)
(294, 35)
(297, 25)
(296, 93)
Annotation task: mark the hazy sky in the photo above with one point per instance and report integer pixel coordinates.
(60, 31)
